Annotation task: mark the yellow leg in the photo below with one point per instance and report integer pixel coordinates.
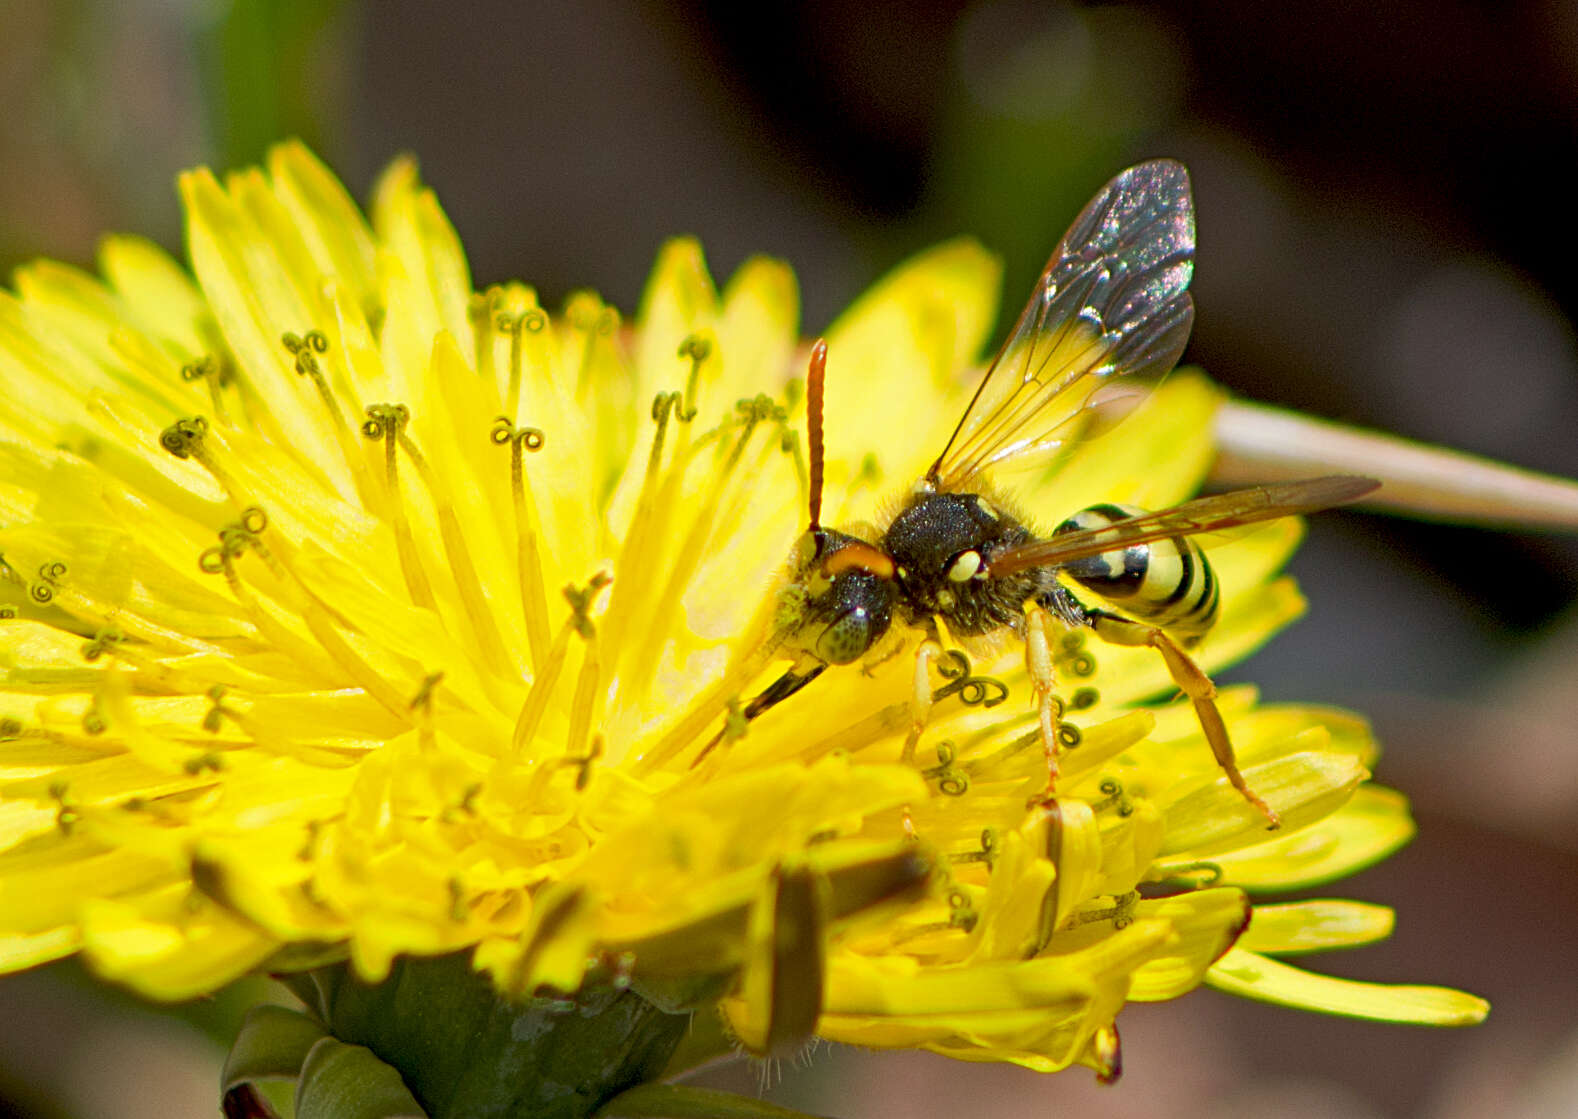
(1195, 684)
(1038, 664)
(920, 696)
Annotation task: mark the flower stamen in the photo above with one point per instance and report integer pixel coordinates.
(516, 326)
(237, 538)
(50, 590)
(698, 348)
(579, 622)
(423, 699)
(463, 568)
(1120, 912)
(207, 368)
(962, 917)
(480, 309)
(654, 613)
(93, 721)
(422, 707)
(208, 760)
(187, 439)
(649, 509)
(1197, 875)
(986, 853)
(1072, 658)
(950, 781)
(217, 712)
(67, 815)
(104, 641)
(588, 701)
(49, 575)
(384, 422)
(1113, 794)
(306, 350)
(973, 691)
(583, 766)
(369, 679)
(528, 557)
(593, 319)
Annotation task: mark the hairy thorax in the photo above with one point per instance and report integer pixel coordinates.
(942, 545)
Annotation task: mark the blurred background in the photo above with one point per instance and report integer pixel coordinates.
(1381, 191)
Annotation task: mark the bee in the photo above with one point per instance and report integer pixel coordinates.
(1111, 310)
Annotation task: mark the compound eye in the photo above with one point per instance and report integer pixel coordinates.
(847, 637)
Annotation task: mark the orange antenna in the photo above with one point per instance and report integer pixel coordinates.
(813, 411)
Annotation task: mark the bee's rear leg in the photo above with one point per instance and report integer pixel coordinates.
(1038, 664)
(1194, 683)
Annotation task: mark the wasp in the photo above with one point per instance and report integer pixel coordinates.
(1111, 311)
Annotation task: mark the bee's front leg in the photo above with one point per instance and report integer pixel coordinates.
(1038, 663)
(1194, 683)
(926, 655)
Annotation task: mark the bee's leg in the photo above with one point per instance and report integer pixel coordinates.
(921, 696)
(1038, 663)
(1194, 683)
(926, 655)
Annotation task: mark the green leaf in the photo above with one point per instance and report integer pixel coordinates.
(669, 1101)
(272, 1044)
(340, 1081)
(466, 1052)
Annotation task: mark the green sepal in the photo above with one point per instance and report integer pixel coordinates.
(707, 1040)
(340, 1081)
(272, 1044)
(467, 1052)
(305, 955)
(314, 988)
(683, 993)
(672, 1101)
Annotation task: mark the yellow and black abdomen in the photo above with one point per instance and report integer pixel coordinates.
(1166, 583)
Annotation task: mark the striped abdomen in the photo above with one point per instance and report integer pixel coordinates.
(1166, 583)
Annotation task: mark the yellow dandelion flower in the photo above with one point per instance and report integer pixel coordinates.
(354, 615)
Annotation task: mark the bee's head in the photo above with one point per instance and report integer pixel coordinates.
(838, 601)
(840, 597)
(842, 589)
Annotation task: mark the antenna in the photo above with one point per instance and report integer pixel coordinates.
(813, 411)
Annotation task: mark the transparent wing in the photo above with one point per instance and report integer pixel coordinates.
(1112, 304)
(1204, 514)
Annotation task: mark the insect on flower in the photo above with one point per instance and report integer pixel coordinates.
(1110, 313)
